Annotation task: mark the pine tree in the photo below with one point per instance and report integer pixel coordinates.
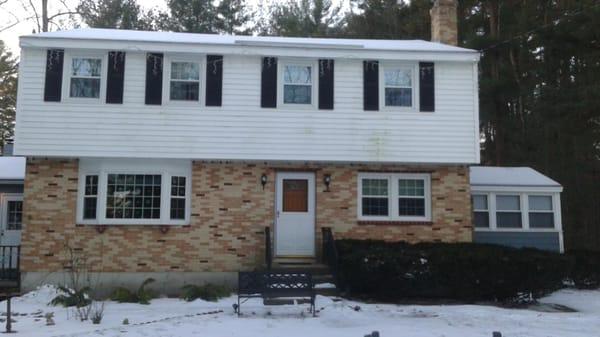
(8, 94)
(304, 18)
(121, 14)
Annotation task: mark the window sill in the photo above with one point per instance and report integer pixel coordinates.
(394, 223)
(136, 224)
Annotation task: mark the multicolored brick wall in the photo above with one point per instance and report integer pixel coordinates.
(230, 210)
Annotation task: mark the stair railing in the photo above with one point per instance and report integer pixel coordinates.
(268, 249)
(329, 251)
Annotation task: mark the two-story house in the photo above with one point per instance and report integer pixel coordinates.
(168, 154)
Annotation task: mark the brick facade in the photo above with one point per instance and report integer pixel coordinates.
(230, 210)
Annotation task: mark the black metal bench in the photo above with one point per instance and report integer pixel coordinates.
(275, 284)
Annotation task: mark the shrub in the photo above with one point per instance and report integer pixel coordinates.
(141, 296)
(585, 269)
(459, 271)
(97, 313)
(72, 298)
(207, 292)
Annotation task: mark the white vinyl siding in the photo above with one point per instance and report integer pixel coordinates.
(240, 129)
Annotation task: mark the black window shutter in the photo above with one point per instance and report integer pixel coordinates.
(371, 85)
(214, 80)
(427, 86)
(326, 84)
(154, 77)
(268, 85)
(54, 73)
(116, 77)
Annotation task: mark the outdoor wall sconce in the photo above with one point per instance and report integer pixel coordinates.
(327, 181)
(101, 229)
(164, 229)
(263, 180)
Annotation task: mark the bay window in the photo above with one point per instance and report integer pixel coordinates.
(394, 197)
(114, 192)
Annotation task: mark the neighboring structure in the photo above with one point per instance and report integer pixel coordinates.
(516, 206)
(168, 154)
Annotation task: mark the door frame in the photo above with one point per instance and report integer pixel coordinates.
(4, 199)
(312, 204)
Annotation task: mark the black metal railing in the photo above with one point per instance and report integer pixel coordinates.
(9, 263)
(268, 249)
(329, 251)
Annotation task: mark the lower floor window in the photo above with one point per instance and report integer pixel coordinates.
(394, 196)
(133, 196)
(112, 197)
(514, 211)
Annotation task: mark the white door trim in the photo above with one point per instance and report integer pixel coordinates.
(12, 236)
(301, 234)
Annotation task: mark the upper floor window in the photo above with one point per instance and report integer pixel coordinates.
(298, 83)
(184, 81)
(398, 86)
(85, 77)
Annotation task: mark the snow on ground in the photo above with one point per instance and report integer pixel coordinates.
(335, 319)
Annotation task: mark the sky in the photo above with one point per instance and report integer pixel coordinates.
(14, 14)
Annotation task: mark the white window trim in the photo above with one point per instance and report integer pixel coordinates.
(66, 79)
(415, 85)
(314, 84)
(393, 196)
(166, 88)
(103, 168)
(524, 197)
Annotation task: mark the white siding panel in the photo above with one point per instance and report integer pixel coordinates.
(241, 129)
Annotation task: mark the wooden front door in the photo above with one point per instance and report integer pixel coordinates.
(295, 214)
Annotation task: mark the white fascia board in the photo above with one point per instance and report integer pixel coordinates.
(290, 51)
(516, 188)
(228, 158)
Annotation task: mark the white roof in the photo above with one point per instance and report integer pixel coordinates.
(12, 168)
(509, 176)
(172, 37)
(127, 37)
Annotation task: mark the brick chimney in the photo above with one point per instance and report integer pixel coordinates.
(444, 27)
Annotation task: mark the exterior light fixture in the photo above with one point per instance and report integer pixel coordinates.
(263, 180)
(327, 181)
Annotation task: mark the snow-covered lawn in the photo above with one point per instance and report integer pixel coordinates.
(173, 317)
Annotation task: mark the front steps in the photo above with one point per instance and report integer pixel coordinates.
(322, 277)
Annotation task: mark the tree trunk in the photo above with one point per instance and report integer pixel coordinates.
(44, 15)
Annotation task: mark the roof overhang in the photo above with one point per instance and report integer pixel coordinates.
(259, 48)
(517, 188)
